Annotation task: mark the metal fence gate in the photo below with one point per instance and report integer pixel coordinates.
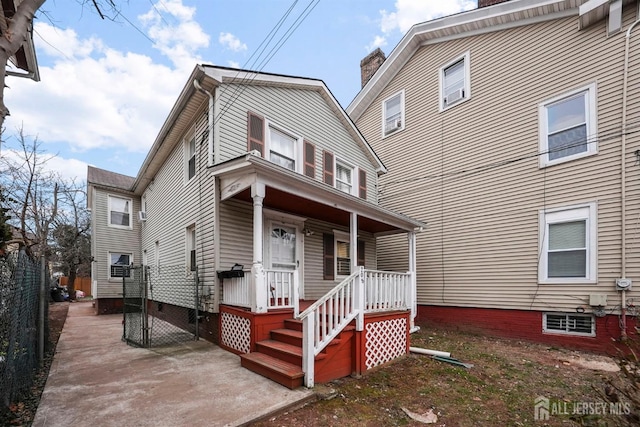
(160, 305)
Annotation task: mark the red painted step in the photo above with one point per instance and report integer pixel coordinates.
(282, 372)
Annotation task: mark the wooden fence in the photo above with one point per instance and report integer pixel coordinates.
(80, 284)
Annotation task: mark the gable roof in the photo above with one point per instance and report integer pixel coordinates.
(105, 178)
(498, 17)
(209, 77)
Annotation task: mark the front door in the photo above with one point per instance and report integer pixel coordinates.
(283, 247)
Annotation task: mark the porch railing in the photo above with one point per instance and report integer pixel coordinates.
(385, 291)
(237, 291)
(283, 289)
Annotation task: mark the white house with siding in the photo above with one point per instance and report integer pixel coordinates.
(512, 129)
(267, 172)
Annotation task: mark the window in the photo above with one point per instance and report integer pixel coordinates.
(568, 245)
(337, 254)
(190, 157)
(344, 177)
(191, 247)
(568, 126)
(119, 212)
(572, 324)
(393, 114)
(282, 148)
(455, 84)
(118, 263)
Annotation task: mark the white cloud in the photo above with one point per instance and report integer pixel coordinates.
(378, 41)
(231, 42)
(68, 169)
(92, 96)
(410, 12)
(179, 41)
(233, 64)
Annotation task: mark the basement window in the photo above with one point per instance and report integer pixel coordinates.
(570, 324)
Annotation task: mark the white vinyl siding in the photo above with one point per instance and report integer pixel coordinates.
(455, 85)
(568, 126)
(393, 114)
(570, 324)
(120, 211)
(568, 245)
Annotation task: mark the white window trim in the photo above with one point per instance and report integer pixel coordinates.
(111, 278)
(299, 160)
(402, 115)
(185, 151)
(355, 185)
(560, 332)
(122, 227)
(342, 237)
(467, 81)
(592, 126)
(586, 211)
(190, 244)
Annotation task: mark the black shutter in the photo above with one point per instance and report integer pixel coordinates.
(328, 251)
(361, 252)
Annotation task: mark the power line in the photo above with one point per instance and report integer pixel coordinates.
(490, 166)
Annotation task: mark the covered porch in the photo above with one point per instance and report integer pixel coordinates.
(323, 275)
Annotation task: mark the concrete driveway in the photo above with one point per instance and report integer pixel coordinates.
(98, 380)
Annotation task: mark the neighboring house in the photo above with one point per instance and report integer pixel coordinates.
(25, 57)
(512, 129)
(266, 171)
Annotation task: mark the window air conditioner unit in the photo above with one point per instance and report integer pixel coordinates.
(142, 216)
(454, 96)
(393, 125)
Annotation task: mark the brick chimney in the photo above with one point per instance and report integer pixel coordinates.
(485, 3)
(370, 64)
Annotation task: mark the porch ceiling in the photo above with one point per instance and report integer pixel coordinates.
(298, 205)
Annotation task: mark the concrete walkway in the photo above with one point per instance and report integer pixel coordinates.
(98, 380)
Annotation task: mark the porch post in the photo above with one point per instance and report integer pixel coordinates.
(413, 296)
(353, 246)
(360, 282)
(259, 297)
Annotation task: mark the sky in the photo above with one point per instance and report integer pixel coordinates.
(108, 85)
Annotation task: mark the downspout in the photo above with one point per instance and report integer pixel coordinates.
(623, 178)
(196, 83)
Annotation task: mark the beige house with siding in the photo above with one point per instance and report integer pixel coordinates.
(512, 129)
(267, 172)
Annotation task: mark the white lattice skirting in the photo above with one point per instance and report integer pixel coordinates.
(385, 341)
(236, 332)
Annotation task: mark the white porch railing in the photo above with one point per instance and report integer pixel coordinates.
(363, 291)
(283, 289)
(237, 291)
(385, 291)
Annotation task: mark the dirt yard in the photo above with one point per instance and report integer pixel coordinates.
(499, 390)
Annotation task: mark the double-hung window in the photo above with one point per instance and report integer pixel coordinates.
(120, 209)
(568, 245)
(344, 177)
(343, 255)
(191, 247)
(282, 148)
(455, 86)
(118, 265)
(190, 157)
(393, 114)
(568, 126)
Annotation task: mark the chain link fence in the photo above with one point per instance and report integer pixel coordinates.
(24, 328)
(161, 305)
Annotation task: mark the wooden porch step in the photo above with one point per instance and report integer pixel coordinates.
(287, 374)
(281, 350)
(288, 336)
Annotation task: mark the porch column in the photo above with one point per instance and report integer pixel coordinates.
(259, 297)
(360, 287)
(413, 297)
